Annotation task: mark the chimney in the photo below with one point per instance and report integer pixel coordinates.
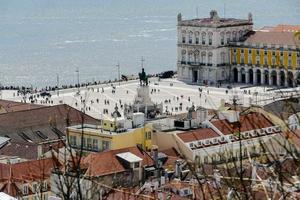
(155, 155)
(177, 168)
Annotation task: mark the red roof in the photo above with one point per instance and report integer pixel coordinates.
(24, 172)
(199, 134)
(104, 163)
(247, 122)
(280, 38)
(12, 106)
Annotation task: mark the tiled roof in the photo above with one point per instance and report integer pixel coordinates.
(29, 127)
(199, 134)
(11, 175)
(282, 28)
(12, 106)
(247, 122)
(99, 164)
(280, 38)
(284, 108)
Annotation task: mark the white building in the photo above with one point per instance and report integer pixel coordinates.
(203, 53)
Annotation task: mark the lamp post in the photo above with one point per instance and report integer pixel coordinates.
(119, 79)
(78, 86)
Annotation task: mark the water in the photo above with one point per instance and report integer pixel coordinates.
(42, 38)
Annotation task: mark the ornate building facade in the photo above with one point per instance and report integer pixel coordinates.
(213, 50)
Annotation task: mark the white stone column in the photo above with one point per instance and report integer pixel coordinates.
(262, 77)
(270, 78)
(239, 75)
(254, 77)
(286, 84)
(247, 75)
(278, 77)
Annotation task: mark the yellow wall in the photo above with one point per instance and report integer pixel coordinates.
(253, 56)
(231, 55)
(269, 57)
(117, 141)
(133, 138)
(277, 58)
(294, 60)
(109, 125)
(285, 59)
(238, 56)
(262, 60)
(246, 55)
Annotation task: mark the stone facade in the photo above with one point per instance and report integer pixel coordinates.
(203, 53)
(214, 50)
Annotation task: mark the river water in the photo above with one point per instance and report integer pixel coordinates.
(42, 38)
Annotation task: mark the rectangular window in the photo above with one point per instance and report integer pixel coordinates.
(25, 189)
(105, 145)
(89, 143)
(183, 39)
(95, 144)
(84, 142)
(210, 41)
(136, 165)
(148, 135)
(197, 40)
(45, 186)
(73, 140)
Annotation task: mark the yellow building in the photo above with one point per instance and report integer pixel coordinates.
(270, 58)
(115, 134)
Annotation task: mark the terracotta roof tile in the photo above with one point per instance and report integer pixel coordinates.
(281, 38)
(103, 163)
(247, 122)
(12, 106)
(199, 134)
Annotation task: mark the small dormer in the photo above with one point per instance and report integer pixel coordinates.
(130, 160)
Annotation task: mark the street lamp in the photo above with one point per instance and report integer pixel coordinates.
(78, 86)
(118, 66)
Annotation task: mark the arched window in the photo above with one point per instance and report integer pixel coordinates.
(183, 56)
(228, 35)
(203, 35)
(210, 34)
(196, 54)
(183, 36)
(234, 34)
(222, 38)
(197, 37)
(210, 55)
(190, 37)
(222, 57)
(203, 57)
(190, 57)
(240, 34)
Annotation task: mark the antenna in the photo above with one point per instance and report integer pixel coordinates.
(118, 66)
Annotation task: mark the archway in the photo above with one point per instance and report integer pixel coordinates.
(243, 74)
(290, 79)
(250, 76)
(258, 77)
(274, 78)
(282, 78)
(266, 77)
(235, 75)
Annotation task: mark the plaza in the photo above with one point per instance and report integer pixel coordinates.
(99, 101)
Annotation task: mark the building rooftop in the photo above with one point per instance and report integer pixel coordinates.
(199, 134)
(214, 21)
(12, 106)
(281, 28)
(129, 157)
(12, 175)
(104, 163)
(284, 108)
(28, 128)
(272, 38)
(247, 122)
